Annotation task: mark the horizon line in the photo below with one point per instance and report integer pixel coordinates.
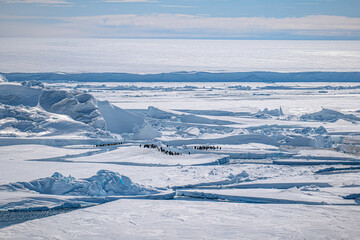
(194, 38)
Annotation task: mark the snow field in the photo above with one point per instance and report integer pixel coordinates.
(280, 167)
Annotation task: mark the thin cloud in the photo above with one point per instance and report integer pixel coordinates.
(308, 3)
(184, 21)
(177, 6)
(45, 2)
(131, 1)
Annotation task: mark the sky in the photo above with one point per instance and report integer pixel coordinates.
(204, 19)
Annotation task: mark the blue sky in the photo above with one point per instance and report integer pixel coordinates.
(229, 19)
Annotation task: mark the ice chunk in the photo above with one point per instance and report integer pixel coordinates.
(320, 130)
(240, 87)
(104, 183)
(33, 83)
(119, 120)
(18, 95)
(147, 132)
(238, 177)
(79, 106)
(3, 78)
(20, 121)
(328, 115)
(266, 113)
(154, 112)
(323, 141)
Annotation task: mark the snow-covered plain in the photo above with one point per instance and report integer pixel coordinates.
(256, 160)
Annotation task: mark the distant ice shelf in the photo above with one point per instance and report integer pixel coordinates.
(189, 77)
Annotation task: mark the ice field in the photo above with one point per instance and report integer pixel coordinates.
(179, 160)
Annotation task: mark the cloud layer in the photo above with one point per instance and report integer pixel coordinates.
(182, 25)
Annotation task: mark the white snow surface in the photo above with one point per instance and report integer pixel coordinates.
(249, 164)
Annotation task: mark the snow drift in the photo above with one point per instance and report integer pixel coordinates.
(156, 113)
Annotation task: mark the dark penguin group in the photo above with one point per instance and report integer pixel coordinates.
(161, 149)
(207, 147)
(108, 144)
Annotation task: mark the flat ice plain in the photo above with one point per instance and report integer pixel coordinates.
(157, 160)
